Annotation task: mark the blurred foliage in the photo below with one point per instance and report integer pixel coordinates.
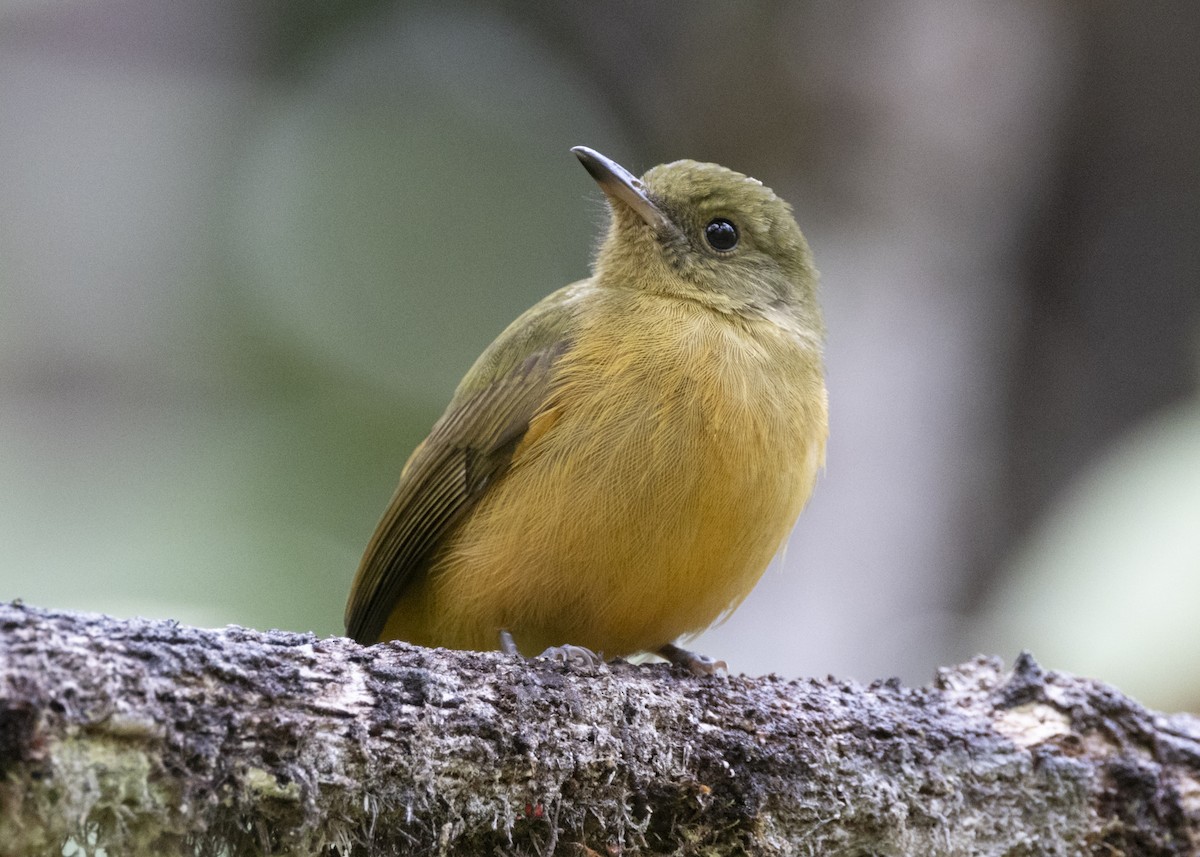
(1107, 585)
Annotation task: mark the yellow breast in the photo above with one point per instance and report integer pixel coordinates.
(668, 466)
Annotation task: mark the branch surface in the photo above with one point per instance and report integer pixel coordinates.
(147, 737)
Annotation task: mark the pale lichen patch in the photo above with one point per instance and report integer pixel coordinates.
(1189, 795)
(1032, 723)
(1100, 744)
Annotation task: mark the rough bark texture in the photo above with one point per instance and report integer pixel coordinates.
(145, 737)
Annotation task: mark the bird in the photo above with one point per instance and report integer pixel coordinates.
(617, 469)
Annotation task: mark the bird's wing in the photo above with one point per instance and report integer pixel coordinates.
(466, 451)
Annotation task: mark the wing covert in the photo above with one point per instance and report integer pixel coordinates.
(467, 449)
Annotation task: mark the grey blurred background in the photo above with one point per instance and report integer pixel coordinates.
(248, 248)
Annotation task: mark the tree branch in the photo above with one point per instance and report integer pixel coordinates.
(146, 737)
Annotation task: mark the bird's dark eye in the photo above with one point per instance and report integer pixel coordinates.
(721, 235)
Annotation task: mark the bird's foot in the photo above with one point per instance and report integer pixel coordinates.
(694, 662)
(572, 656)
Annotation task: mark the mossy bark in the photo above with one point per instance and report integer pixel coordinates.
(146, 737)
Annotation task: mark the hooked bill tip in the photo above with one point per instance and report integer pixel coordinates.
(592, 161)
(620, 184)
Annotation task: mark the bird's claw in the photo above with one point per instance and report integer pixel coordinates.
(693, 662)
(568, 655)
(572, 656)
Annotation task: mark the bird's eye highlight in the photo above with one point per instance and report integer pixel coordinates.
(721, 235)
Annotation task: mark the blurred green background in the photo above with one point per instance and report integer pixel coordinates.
(248, 248)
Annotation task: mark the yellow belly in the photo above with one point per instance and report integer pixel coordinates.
(670, 465)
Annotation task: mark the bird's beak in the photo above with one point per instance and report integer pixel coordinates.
(620, 184)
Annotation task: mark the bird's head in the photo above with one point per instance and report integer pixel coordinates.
(705, 233)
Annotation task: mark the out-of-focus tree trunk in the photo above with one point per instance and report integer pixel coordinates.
(1112, 291)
